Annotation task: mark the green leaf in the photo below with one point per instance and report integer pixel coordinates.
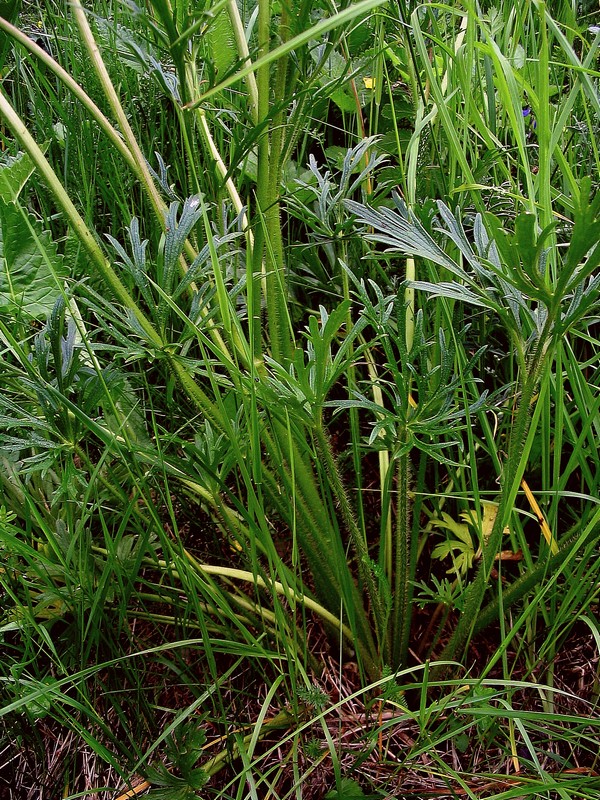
(31, 270)
(176, 234)
(221, 41)
(525, 235)
(343, 100)
(40, 706)
(586, 231)
(402, 232)
(461, 548)
(14, 174)
(348, 790)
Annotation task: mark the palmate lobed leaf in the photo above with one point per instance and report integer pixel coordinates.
(454, 291)
(402, 232)
(585, 235)
(31, 269)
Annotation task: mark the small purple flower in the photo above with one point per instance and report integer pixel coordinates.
(528, 115)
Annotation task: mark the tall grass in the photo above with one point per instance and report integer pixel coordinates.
(260, 412)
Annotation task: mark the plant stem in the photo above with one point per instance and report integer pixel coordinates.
(513, 593)
(76, 90)
(276, 283)
(513, 470)
(405, 556)
(262, 184)
(365, 570)
(319, 541)
(116, 107)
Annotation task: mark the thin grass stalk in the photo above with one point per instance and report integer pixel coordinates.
(244, 54)
(351, 385)
(441, 109)
(309, 512)
(186, 75)
(526, 583)
(188, 137)
(291, 594)
(268, 251)
(141, 167)
(577, 542)
(85, 236)
(280, 329)
(310, 523)
(115, 138)
(544, 196)
(232, 191)
(315, 32)
(386, 537)
(115, 104)
(258, 274)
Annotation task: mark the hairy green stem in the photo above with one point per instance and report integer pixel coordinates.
(268, 252)
(359, 544)
(319, 541)
(276, 284)
(404, 569)
(513, 470)
(309, 527)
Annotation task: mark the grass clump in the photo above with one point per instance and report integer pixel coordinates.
(299, 408)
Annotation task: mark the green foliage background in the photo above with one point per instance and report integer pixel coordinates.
(298, 317)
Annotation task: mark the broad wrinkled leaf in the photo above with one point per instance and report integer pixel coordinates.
(221, 42)
(31, 270)
(14, 174)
